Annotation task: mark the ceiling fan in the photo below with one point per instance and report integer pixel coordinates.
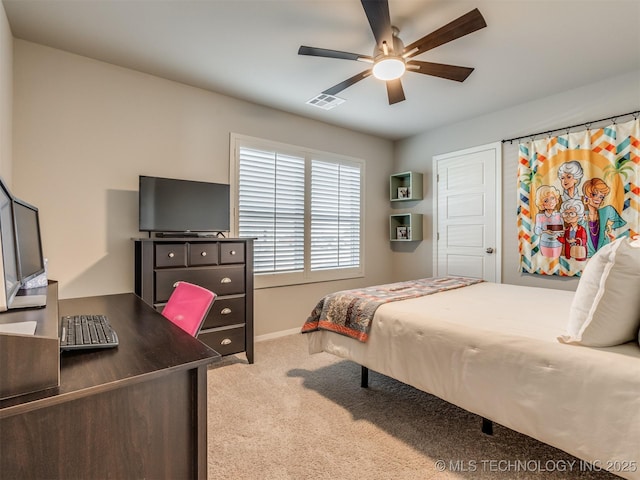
(391, 59)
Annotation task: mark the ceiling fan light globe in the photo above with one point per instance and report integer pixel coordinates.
(389, 68)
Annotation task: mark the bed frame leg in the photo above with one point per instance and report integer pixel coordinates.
(487, 426)
(364, 377)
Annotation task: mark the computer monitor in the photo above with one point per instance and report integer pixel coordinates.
(28, 240)
(9, 276)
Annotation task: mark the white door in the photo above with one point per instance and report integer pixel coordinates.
(467, 220)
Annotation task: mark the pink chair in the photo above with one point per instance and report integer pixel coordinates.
(188, 306)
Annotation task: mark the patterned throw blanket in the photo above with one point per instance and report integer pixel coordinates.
(349, 312)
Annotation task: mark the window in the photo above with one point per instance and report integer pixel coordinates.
(271, 208)
(303, 207)
(335, 215)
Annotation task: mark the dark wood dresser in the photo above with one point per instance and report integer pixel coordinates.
(222, 265)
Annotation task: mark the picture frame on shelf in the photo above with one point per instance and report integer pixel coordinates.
(402, 232)
(404, 192)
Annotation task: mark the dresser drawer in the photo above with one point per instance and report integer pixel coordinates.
(232, 253)
(171, 255)
(224, 341)
(225, 311)
(203, 254)
(220, 280)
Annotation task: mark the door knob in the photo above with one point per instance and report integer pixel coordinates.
(489, 250)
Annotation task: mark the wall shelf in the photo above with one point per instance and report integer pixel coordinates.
(405, 186)
(405, 227)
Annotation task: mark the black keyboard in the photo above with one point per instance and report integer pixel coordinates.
(86, 331)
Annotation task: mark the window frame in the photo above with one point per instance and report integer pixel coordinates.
(278, 279)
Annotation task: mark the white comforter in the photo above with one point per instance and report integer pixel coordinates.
(492, 350)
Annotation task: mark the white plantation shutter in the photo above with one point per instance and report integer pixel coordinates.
(271, 209)
(335, 215)
(303, 208)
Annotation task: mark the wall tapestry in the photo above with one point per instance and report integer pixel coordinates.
(576, 193)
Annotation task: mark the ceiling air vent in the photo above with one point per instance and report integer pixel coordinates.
(325, 102)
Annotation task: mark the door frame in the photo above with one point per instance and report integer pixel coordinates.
(497, 147)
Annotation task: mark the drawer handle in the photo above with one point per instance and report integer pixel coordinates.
(226, 341)
(171, 255)
(203, 254)
(225, 311)
(225, 280)
(232, 252)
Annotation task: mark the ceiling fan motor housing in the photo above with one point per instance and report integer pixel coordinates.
(395, 50)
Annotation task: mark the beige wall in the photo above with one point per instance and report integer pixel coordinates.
(615, 95)
(6, 97)
(83, 132)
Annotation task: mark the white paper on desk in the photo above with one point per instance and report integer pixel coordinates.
(21, 328)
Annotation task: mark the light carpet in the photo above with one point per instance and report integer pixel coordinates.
(292, 415)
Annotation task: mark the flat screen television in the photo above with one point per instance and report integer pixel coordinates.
(169, 205)
(28, 240)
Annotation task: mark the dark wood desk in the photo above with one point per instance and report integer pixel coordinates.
(136, 411)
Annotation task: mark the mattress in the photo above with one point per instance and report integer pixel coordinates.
(492, 349)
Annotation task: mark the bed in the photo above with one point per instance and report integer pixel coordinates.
(493, 349)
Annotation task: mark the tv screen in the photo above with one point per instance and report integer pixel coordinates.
(173, 205)
(28, 240)
(9, 271)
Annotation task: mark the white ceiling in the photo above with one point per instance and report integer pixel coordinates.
(248, 49)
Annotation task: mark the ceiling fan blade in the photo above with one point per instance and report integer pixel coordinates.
(395, 91)
(377, 12)
(450, 72)
(347, 83)
(324, 52)
(464, 25)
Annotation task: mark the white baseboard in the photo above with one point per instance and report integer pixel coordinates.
(271, 336)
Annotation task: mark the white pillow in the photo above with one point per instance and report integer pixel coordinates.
(636, 243)
(606, 307)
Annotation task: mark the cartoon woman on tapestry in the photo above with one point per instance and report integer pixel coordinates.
(549, 221)
(600, 220)
(570, 174)
(575, 235)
